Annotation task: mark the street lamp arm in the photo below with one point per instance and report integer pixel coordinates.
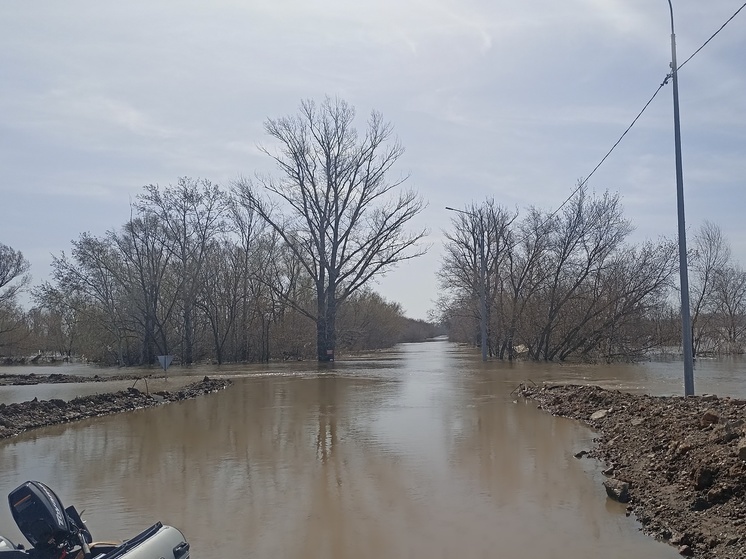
(461, 211)
(670, 7)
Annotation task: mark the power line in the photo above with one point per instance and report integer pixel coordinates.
(634, 121)
(608, 153)
(665, 81)
(712, 36)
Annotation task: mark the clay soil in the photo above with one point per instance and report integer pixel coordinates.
(19, 417)
(683, 460)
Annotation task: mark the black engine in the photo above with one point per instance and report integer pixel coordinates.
(47, 525)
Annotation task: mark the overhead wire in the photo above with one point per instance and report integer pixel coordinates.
(634, 121)
(712, 36)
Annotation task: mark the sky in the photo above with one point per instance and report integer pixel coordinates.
(515, 101)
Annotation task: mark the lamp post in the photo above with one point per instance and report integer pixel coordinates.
(482, 282)
(686, 319)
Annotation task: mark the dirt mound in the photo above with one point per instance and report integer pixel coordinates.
(17, 418)
(683, 461)
(58, 378)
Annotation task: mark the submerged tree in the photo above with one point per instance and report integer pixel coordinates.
(14, 277)
(710, 258)
(191, 216)
(13, 273)
(556, 286)
(335, 208)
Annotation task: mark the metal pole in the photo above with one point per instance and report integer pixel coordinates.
(482, 282)
(483, 294)
(686, 319)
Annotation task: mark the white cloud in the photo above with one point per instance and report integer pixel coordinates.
(515, 100)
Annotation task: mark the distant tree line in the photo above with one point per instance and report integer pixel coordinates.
(250, 273)
(281, 267)
(194, 273)
(570, 285)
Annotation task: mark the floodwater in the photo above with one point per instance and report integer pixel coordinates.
(419, 452)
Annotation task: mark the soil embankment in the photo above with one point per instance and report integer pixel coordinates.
(679, 462)
(19, 417)
(54, 378)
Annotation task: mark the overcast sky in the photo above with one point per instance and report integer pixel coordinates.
(512, 100)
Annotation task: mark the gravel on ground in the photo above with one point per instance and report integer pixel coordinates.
(19, 417)
(679, 463)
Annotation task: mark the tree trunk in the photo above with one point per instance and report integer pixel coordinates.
(188, 334)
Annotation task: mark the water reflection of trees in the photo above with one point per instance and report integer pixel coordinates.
(269, 456)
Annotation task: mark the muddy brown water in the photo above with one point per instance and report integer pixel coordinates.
(418, 452)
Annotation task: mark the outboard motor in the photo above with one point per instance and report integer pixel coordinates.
(51, 529)
(59, 533)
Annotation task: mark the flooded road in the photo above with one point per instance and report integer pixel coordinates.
(419, 452)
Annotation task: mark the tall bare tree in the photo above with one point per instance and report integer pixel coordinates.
(91, 274)
(335, 206)
(14, 277)
(730, 294)
(152, 292)
(190, 215)
(710, 258)
(584, 237)
(14, 274)
(480, 231)
(558, 286)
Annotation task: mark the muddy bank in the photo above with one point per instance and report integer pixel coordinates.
(683, 461)
(20, 417)
(54, 378)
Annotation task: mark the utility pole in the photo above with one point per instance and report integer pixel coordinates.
(686, 319)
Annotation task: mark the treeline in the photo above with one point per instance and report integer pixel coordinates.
(194, 273)
(246, 274)
(570, 285)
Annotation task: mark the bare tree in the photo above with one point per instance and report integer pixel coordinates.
(489, 224)
(368, 321)
(263, 284)
(14, 277)
(559, 287)
(334, 206)
(525, 271)
(460, 273)
(59, 315)
(710, 257)
(619, 302)
(91, 279)
(586, 236)
(190, 215)
(730, 294)
(14, 274)
(152, 292)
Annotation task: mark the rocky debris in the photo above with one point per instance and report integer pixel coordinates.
(55, 378)
(600, 414)
(617, 490)
(683, 460)
(741, 450)
(39, 359)
(17, 418)
(710, 417)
